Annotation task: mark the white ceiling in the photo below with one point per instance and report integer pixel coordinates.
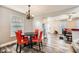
(39, 10)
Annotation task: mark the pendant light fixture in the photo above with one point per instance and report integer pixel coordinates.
(28, 14)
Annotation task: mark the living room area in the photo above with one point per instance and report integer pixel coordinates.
(43, 28)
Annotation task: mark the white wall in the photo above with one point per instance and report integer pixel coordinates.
(28, 25)
(37, 23)
(5, 19)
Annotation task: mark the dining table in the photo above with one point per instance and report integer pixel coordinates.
(30, 35)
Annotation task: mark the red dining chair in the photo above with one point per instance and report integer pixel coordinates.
(20, 41)
(38, 39)
(35, 37)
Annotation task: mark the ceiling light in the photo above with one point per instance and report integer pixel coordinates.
(28, 14)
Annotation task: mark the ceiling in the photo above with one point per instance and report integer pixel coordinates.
(39, 10)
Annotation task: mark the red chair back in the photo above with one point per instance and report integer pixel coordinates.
(19, 31)
(36, 31)
(18, 37)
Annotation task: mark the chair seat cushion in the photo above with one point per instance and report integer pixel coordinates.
(22, 42)
(34, 40)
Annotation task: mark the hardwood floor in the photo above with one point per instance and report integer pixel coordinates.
(58, 45)
(54, 45)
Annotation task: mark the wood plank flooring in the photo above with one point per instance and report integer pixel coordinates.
(54, 45)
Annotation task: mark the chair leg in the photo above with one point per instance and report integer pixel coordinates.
(18, 48)
(41, 44)
(39, 47)
(24, 45)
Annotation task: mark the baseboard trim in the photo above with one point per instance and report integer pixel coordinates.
(8, 43)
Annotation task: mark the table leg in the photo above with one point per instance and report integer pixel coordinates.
(31, 42)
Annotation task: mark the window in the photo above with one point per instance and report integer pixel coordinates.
(17, 23)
